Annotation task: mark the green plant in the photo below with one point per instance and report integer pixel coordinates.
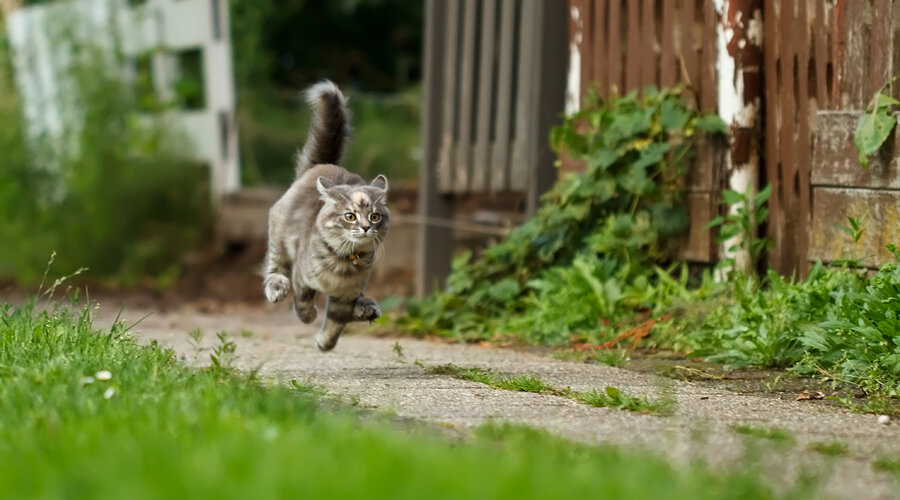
(398, 352)
(746, 212)
(874, 127)
(856, 228)
(839, 323)
(615, 398)
(888, 464)
(831, 449)
(593, 260)
(610, 357)
(223, 354)
(775, 434)
(165, 424)
(609, 398)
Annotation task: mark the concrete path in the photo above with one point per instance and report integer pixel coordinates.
(367, 371)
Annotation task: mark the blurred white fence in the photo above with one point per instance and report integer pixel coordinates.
(167, 31)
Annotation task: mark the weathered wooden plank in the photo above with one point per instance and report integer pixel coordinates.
(614, 54)
(434, 244)
(502, 124)
(849, 56)
(463, 164)
(708, 55)
(787, 245)
(804, 148)
(688, 54)
(699, 245)
(835, 160)
(701, 174)
(820, 30)
(634, 49)
(450, 62)
(668, 64)
(525, 98)
(773, 146)
(832, 206)
(650, 62)
(600, 34)
(880, 46)
(481, 165)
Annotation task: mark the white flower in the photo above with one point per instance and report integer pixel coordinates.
(87, 380)
(108, 393)
(103, 375)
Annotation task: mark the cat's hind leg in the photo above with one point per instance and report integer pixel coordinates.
(338, 312)
(304, 301)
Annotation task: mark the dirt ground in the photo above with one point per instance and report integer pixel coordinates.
(390, 374)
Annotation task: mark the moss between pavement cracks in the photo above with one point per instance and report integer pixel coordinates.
(610, 397)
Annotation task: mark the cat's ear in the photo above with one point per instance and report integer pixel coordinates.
(324, 185)
(380, 182)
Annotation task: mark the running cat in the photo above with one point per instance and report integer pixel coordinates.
(324, 231)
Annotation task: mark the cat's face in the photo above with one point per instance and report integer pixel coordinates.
(356, 216)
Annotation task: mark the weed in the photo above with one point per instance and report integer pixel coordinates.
(246, 333)
(591, 261)
(875, 125)
(195, 338)
(831, 449)
(610, 357)
(741, 226)
(888, 464)
(774, 434)
(615, 398)
(610, 398)
(398, 352)
(223, 354)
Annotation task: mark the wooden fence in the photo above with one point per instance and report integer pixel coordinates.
(822, 62)
(624, 45)
(853, 52)
(494, 76)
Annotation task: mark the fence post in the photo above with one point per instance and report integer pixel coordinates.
(435, 243)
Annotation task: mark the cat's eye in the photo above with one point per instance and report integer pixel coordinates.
(350, 216)
(374, 217)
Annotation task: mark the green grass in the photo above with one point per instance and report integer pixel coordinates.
(158, 429)
(888, 464)
(774, 434)
(831, 449)
(611, 397)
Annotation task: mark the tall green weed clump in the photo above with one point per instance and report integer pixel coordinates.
(119, 199)
(839, 323)
(588, 262)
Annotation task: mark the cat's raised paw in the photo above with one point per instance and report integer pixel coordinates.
(366, 310)
(276, 287)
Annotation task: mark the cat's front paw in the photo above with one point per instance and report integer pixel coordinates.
(366, 310)
(276, 287)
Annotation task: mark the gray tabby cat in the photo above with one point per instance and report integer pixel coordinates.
(324, 231)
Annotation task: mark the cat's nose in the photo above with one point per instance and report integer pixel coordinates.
(365, 229)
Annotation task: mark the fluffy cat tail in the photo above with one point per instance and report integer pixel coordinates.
(329, 129)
